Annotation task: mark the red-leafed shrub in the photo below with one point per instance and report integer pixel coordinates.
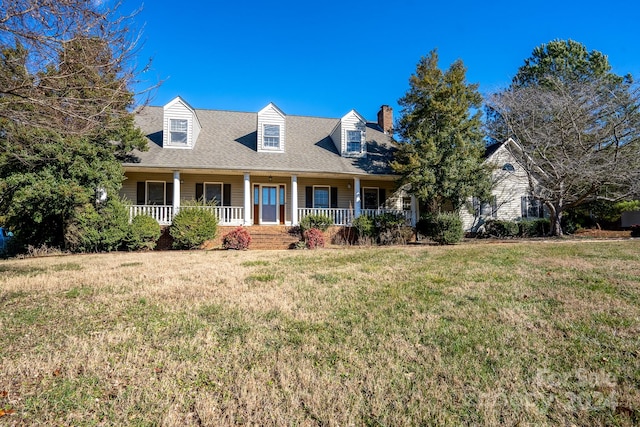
(236, 239)
(635, 230)
(314, 238)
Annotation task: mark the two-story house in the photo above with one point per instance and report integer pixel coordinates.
(266, 168)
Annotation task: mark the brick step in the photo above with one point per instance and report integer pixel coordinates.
(271, 237)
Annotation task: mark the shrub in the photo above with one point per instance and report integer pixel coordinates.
(321, 222)
(389, 221)
(398, 236)
(635, 230)
(103, 228)
(364, 227)
(536, 228)
(391, 229)
(144, 233)
(193, 226)
(500, 229)
(445, 228)
(314, 238)
(238, 239)
(425, 225)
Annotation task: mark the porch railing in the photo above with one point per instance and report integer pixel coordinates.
(339, 216)
(377, 212)
(227, 215)
(345, 216)
(161, 213)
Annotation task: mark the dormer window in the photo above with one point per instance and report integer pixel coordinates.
(354, 141)
(272, 130)
(181, 125)
(349, 135)
(178, 131)
(271, 136)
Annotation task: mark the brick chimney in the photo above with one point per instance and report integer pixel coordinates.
(385, 119)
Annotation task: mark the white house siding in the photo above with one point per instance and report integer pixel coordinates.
(345, 194)
(336, 136)
(345, 189)
(271, 115)
(179, 110)
(129, 185)
(187, 187)
(189, 181)
(509, 188)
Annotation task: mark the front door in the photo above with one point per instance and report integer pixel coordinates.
(269, 205)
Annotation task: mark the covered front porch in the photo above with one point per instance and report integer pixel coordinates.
(265, 199)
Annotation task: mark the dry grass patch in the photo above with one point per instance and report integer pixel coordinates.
(541, 334)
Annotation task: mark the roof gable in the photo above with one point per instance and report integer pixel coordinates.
(271, 129)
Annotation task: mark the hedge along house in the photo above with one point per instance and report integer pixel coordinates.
(264, 168)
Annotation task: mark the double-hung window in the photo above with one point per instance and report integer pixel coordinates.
(178, 131)
(156, 193)
(371, 200)
(271, 136)
(213, 193)
(532, 207)
(354, 141)
(485, 209)
(321, 197)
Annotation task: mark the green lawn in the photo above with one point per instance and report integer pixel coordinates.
(543, 333)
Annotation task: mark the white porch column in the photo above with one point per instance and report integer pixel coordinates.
(176, 192)
(414, 211)
(356, 197)
(247, 199)
(294, 200)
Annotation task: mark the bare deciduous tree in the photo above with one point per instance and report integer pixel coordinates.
(579, 141)
(59, 60)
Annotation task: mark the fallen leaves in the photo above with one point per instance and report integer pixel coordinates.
(4, 412)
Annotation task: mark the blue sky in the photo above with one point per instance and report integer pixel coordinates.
(324, 58)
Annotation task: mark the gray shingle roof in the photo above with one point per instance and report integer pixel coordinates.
(228, 142)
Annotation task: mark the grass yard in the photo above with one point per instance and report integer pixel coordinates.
(544, 333)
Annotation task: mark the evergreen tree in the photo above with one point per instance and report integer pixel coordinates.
(441, 148)
(64, 129)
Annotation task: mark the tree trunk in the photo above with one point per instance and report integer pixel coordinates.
(556, 225)
(555, 218)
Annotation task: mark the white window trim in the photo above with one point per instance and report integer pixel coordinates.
(478, 206)
(364, 190)
(528, 206)
(164, 191)
(348, 142)
(204, 191)
(186, 132)
(264, 136)
(508, 167)
(328, 187)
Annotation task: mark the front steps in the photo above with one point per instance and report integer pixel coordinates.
(271, 237)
